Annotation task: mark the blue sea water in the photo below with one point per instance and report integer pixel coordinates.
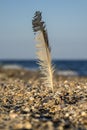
(78, 67)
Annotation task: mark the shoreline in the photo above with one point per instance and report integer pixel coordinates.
(58, 72)
(25, 103)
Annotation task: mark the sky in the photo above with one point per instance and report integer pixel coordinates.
(66, 22)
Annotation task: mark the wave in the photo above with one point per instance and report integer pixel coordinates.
(67, 73)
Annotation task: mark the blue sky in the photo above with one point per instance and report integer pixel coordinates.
(66, 22)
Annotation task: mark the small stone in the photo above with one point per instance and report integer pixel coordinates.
(27, 109)
(32, 108)
(27, 125)
(83, 113)
(79, 87)
(12, 115)
(60, 128)
(66, 86)
(65, 81)
(31, 98)
(67, 115)
(18, 126)
(50, 125)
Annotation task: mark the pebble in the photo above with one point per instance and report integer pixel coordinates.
(18, 126)
(31, 98)
(27, 125)
(26, 109)
(67, 115)
(12, 115)
(83, 113)
(34, 107)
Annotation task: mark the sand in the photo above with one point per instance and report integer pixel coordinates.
(26, 104)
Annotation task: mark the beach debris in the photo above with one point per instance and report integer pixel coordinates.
(43, 50)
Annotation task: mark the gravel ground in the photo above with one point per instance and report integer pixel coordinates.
(25, 104)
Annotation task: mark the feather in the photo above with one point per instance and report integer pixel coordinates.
(43, 50)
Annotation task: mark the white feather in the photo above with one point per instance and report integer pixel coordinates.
(44, 60)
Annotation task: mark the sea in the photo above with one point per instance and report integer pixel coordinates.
(62, 67)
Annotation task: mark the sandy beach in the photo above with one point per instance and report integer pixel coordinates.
(26, 104)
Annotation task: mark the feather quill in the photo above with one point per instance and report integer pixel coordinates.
(43, 50)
